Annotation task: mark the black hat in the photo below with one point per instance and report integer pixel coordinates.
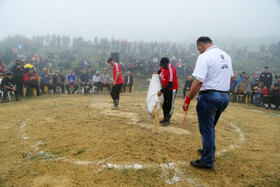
(164, 62)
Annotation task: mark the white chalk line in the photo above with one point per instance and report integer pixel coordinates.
(259, 111)
(233, 146)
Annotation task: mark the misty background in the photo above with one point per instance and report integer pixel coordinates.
(161, 20)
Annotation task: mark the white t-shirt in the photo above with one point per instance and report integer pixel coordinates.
(214, 69)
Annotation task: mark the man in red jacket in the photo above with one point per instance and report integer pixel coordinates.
(117, 82)
(169, 83)
(2, 67)
(30, 80)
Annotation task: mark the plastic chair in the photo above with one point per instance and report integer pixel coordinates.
(32, 89)
(242, 95)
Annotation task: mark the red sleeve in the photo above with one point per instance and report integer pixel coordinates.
(3, 68)
(25, 77)
(35, 76)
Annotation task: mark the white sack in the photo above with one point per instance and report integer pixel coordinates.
(152, 97)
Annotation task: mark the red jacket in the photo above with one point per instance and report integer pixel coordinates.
(27, 77)
(264, 91)
(3, 69)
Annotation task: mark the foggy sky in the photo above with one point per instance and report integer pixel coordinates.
(149, 20)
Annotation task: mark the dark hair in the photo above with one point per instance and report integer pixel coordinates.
(9, 73)
(266, 67)
(110, 59)
(204, 39)
(164, 62)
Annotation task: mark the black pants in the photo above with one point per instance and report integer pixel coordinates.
(42, 85)
(5, 93)
(105, 85)
(75, 88)
(130, 87)
(56, 85)
(31, 84)
(169, 101)
(115, 93)
(86, 90)
(98, 86)
(19, 88)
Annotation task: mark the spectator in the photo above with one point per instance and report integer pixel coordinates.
(96, 81)
(232, 87)
(8, 84)
(71, 82)
(128, 81)
(266, 78)
(45, 80)
(258, 95)
(85, 82)
(254, 88)
(58, 80)
(243, 74)
(2, 67)
(275, 97)
(31, 81)
(105, 80)
(17, 70)
(242, 88)
(187, 86)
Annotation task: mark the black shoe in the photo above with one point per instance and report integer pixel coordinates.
(162, 121)
(165, 124)
(199, 165)
(200, 152)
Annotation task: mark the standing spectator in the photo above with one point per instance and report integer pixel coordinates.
(266, 78)
(117, 82)
(128, 81)
(2, 67)
(8, 84)
(85, 81)
(45, 80)
(243, 88)
(187, 86)
(168, 76)
(105, 80)
(96, 81)
(17, 70)
(31, 81)
(58, 80)
(71, 82)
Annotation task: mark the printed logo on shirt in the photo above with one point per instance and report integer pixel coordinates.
(224, 66)
(222, 56)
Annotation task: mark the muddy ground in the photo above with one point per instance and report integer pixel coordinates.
(77, 140)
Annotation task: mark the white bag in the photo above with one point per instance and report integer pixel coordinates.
(152, 98)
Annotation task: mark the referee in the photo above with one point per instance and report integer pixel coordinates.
(213, 76)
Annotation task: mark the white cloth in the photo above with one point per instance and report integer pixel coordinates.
(152, 97)
(214, 69)
(95, 78)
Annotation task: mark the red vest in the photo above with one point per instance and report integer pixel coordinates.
(169, 75)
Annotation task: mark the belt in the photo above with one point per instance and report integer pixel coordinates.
(211, 91)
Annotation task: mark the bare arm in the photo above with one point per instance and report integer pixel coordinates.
(196, 85)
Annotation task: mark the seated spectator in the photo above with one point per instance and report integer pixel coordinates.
(265, 97)
(85, 81)
(105, 80)
(243, 88)
(45, 80)
(187, 86)
(58, 80)
(128, 81)
(71, 82)
(275, 97)
(2, 67)
(96, 81)
(8, 84)
(30, 80)
(243, 74)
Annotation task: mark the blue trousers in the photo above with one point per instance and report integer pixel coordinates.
(209, 108)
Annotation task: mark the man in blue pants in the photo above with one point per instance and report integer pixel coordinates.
(213, 76)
